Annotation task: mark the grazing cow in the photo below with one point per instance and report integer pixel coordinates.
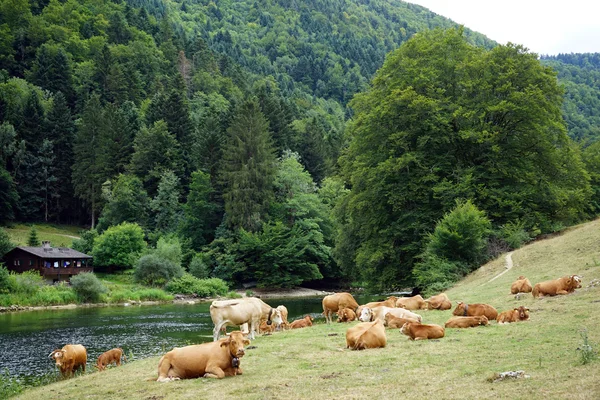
(302, 323)
(515, 315)
(521, 285)
(333, 302)
(564, 285)
(394, 322)
(240, 311)
(109, 357)
(439, 302)
(467, 322)
(371, 314)
(284, 314)
(416, 331)
(389, 302)
(412, 303)
(472, 310)
(70, 358)
(209, 360)
(346, 315)
(366, 335)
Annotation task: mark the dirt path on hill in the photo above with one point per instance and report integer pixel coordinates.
(508, 266)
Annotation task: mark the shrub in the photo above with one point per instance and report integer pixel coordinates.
(189, 284)
(5, 243)
(88, 287)
(435, 273)
(198, 267)
(85, 243)
(169, 248)
(28, 282)
(514, 234)
(119, 246)
(152, 270)
(587, 353)
(9, 386)
(4, 279)
(152, 294)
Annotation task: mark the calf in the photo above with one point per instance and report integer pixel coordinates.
(392, 321)
(439, 302)
(346, 315)
(412, 303)
(109, 357)
(521, 285)
(564, 285)
(366, 335)
(333, 302)
(466, 322)
(209, 360)
(70, 358)
(265, 328)
(472, 310)
(416, 331)
(302, 323)
(515, 315)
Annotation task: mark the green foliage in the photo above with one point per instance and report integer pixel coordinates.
(587, 353)
(28, 282)
(198, 267)
(6, 244)
(126, 201)
(169, 248)
(33, 240)
(5, 283)
(119, 246)
(514, 234)
(151, 270)
(166, 207)
(88, 287)
(9, 386)
(85, 244)
(189, 284)
(199, 212)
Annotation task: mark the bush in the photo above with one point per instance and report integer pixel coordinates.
(28, 282)
(5, 243)
(514, 234)
(169, 248)
(4, 279)
(198, 267)
(152, 270)
(119, 246)
(88, 287)
(189, 284)
(9, 386)
(85, 243)
(435, 273)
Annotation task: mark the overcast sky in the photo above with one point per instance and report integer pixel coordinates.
(544, 27)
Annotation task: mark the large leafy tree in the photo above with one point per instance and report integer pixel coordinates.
(442, 121)
(248, 169)
(126, 201)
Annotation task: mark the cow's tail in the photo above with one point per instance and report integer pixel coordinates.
(164, 365)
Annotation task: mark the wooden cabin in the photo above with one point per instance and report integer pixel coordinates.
(55, 264)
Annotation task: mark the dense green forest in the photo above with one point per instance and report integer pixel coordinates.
(227, 129)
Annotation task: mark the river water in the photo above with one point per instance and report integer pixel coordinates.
(27, 338)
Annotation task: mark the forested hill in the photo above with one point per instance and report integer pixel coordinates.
(580, 75)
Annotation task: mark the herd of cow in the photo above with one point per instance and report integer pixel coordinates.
(221, 357)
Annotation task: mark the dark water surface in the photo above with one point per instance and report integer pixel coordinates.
(27, 338)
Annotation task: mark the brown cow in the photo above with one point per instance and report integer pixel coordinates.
(391, 321)
(333, 302)
(284, 314)
(515, 315)
(521, 285)
(70, 358)
(265, 328)
(346, 315)
(472, 310)
(439, 302)
(111, 356)
(302, 323)
(564, 285)
(416, 331)
(412, 303)
(389, 302)
(466, 322)
(366, 335)
(209, 360)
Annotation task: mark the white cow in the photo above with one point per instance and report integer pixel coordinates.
(378, 313)
(241, 311)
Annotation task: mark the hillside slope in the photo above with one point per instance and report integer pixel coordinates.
(313, 363)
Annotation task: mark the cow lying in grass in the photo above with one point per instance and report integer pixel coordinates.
(393, 322)
(566, 284)
(515, 315)
(346, 315)
(417, 331)
(467, 322)
(109, 357)
(209, 360)
(302, 323)
(412, 303)
(366, 335)
(521, 285)
(439, 302)
(472, 310)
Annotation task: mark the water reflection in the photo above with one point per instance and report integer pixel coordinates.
(142, 331)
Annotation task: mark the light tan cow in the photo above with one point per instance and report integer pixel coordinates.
(333, 302)
(302, 323)
(412, 303)
(209, 360)
(439, 302)
(395, 322)
(284, 314)
(366, 335)
(521, 285)
(416, 331)
(389, 302)
(346, 315)
(70, 358)
(240, 311)
(378, 313)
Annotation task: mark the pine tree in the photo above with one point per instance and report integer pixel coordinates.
(33, 240)
(248, 169)
(48, 178)
(166, 205)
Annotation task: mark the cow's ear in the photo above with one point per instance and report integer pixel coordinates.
(226, 342)
(246, 342)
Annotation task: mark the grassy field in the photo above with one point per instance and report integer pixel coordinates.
(58, 235)
(313, 363)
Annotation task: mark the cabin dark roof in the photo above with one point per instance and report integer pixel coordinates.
(53, 252)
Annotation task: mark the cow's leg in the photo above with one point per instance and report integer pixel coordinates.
(213, 371)
(562, 292)
(217, 330)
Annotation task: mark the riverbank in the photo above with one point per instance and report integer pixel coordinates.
(180, 299)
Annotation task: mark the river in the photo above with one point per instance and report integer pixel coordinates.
(27, 338)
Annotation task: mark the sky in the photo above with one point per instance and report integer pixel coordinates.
(544, 27)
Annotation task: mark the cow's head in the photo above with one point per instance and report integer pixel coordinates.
(236, 342)
(575, 282)
(523, 313)
(483, 320)
(57, 355)
(342, 315)
(366, 315)
(274, 316)
(460, 309)
(406, 327)
(520, 278)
